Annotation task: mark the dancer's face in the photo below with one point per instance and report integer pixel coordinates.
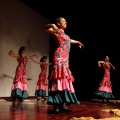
(106, 58)
(62, 24)
(45, 59)
(24, 51)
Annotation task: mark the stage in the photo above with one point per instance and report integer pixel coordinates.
(31, 109)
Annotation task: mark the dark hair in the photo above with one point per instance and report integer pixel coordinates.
(58, 19)
(42, 58)
(21, 50)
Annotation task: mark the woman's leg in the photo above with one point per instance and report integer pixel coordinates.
(63, 108)
(38, 98)
(56, 108)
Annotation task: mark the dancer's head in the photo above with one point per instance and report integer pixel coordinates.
(61, 22)
(21, 50)
(106, 58)
(43, 59)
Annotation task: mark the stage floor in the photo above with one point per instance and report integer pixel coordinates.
(31, 109)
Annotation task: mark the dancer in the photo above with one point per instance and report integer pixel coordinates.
(61, 90)
(41, 85)
(19, 87)
(105, 87)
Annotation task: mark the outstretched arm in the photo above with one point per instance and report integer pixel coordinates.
(12, 54)
(49, 63)
(77, 42)
(31, 56)
(51, 28)
(100, 63)
(36, 61)
(112, 66)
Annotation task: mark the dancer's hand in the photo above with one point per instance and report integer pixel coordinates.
(32, 56)
(80, 44)
(114, 68)
(11, 52)
(99, 65)
(36, 56)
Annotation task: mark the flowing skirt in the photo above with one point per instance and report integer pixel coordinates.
(19, 90)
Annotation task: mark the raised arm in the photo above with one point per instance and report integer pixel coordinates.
(100, 63)
(112, 66)
(51, 28)
(77, 42)
(12, 54)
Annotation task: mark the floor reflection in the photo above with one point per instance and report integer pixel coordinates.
(31, 109)
(18, 111)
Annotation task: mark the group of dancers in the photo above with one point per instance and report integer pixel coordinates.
(60, 80)
(19, 87)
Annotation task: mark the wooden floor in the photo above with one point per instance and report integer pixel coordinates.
(30, 109)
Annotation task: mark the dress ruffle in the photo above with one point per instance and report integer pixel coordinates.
(40, 92)
(19, 90)
(59, 97)
(107, 95)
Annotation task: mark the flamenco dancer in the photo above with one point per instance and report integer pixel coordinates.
(105, 87)
(61, 90)
(19, 87)
(41, 85)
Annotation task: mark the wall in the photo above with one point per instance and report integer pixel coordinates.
(20, 26)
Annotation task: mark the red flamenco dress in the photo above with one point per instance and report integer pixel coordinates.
(41, 86)
(19, 87)
(61, 89)
(105, 87)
